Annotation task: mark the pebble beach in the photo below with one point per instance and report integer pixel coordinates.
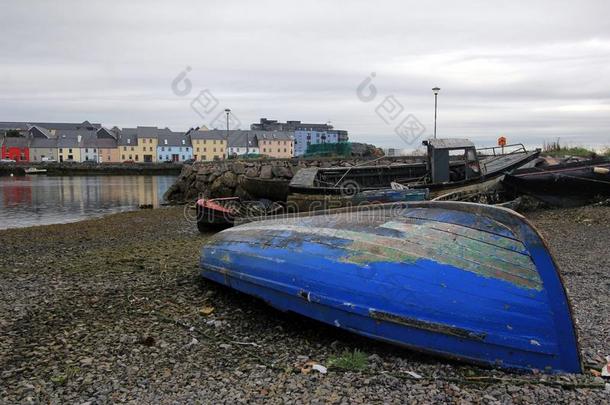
(113, 310)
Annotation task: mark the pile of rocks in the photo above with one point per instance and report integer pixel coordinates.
(226, 178)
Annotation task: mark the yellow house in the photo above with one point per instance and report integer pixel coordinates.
(68, 148)
(139, 144)
(208, 145)
(147, 149)
(275, 144)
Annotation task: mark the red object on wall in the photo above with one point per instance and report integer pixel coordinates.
(19, 153)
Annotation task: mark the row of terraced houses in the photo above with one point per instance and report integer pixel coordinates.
(85, 141)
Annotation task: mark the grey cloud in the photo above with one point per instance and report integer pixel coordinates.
(515, 68)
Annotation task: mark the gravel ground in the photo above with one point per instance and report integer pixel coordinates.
(112, 310)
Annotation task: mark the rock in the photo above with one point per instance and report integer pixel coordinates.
(238, 168)
(252, 172)
(280, 171)
(229, 179)
(266, 172)
(86, 361)
(212, 178)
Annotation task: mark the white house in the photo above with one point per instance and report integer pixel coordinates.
(242, 143)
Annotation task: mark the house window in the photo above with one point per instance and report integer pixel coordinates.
(214, 149)
(137, 158)
(124, 148)
(86, 150)
(214, 142)
(198, 149)
(183, 157)
(94, 150)
(163, 148)
(61, 150)
(150, 149)
(132, 148)
(204, 149)
(69, 150)
(123, 157)
(129, 157)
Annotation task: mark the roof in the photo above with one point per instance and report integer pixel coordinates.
(146, 132)
(242, 139)
(88, 141)
(449, 143)
(106, 143)
(16, 142)
(213, 134)
(105, 133)
(173, 139)
(127, 139)
(74, 133)
(43, 143)
(35, 130)
(67, 141)
(274, 135)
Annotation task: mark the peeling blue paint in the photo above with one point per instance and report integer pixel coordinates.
(428, 303)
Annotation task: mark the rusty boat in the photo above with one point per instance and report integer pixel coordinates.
(218, 213)
(451, 164)
(466, 281)
(565, 184)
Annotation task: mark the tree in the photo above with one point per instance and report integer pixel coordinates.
(12, 133)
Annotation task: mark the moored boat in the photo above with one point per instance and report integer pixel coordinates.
(451, 164)
(466, 281)
(34, 170)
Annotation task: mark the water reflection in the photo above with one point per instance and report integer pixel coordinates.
(40, 200)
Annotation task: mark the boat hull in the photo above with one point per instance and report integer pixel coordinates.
(460, 280)
(565, 184)
(271, 189)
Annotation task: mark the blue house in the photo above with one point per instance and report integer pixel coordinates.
(305, 134)
(173, 147)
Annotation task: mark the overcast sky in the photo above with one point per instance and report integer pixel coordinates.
(531, 71)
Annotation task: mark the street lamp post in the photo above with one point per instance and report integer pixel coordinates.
(435, 90)
(227, 111)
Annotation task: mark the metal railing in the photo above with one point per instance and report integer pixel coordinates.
(520, 149)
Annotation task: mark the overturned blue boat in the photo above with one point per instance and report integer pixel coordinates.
(466, 281)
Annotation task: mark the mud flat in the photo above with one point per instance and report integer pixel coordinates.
(113, 310)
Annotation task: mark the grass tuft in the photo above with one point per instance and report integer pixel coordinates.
(349, 361)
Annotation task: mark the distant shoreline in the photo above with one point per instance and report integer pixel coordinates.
(18, 169)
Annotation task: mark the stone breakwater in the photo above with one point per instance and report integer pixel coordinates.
(228, 178)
